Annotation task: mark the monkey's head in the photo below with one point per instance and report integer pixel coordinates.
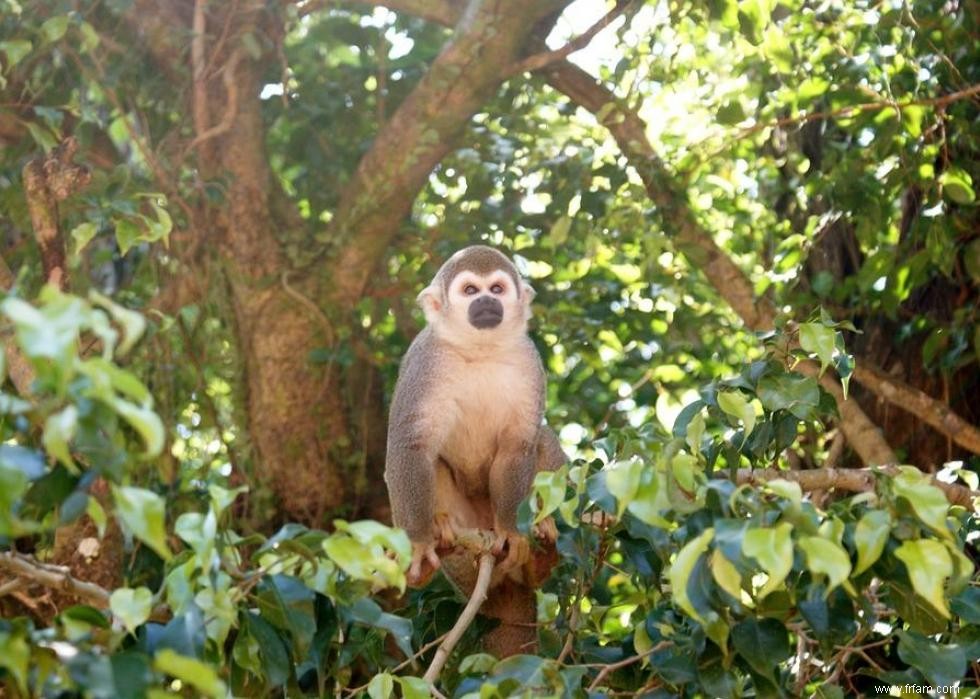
(477, 296)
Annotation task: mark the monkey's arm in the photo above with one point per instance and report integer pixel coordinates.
(411, 456)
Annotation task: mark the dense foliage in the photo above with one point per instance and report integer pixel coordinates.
(166, 411)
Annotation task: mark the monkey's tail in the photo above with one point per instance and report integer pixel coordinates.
(513, 603)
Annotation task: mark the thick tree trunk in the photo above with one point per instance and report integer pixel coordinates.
(296, 417)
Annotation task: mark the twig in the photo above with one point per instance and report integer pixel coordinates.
(846, 112)
(402, 665)
(231, 108)
(477, 598)
(538, 61)
(612, 667)
(55, 577)
(853, 480)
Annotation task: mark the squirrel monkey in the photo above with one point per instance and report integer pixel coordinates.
(465, 435)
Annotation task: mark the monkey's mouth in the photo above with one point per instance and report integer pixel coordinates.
(486, 313)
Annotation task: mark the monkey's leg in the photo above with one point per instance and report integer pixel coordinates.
(511, 475)
(453, 511)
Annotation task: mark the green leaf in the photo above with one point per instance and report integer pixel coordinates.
(735, 404)
(928, 501)
(414, 688)
(381, 686)
(559, 231)
(773, 549)
(199, 531)
(146, 422)
(477, 664)
(548, 489)
(929, 564)
(142, 512)
(726, 575)
(15, 655)
(90, 38)
(966, 605)
(680, 571)
(286, 603)
(826, 558)
(132, 323)
(15, 50)
(870, 537)
(82, 235)
(818, 339)
(764, 643)
(131, 607)
(272, 649)
(59, 430)
(55, 28)
(367, 611)
(623, 480)
(190, 670)
(943, 664)
(957, 186)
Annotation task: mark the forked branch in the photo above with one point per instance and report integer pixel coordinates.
(477, 598)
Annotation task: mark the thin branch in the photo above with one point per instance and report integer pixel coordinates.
(910, 399)
(231, 104)
(54, 577)
(852, 480)
(612, 667)
(48, 180)
(477, 598)
(199, 104)
(538, 61)
(852, 110)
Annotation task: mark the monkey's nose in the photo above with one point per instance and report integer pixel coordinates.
(486, 312)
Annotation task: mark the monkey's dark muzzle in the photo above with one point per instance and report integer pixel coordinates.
(486, 312)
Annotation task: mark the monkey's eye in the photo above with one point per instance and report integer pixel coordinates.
(469, 290)
(497, 289)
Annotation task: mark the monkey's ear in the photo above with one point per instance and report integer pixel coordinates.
(527, 292)
(430, 299)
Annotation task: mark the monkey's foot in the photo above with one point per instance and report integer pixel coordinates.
(518, 550)
(444, 531)
(546, 530)
(425, 561)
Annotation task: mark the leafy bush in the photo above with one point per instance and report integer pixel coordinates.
(673, 580)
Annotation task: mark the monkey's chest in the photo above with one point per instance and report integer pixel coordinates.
(492, 407)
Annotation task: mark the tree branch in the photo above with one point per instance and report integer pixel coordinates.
(488, 37)
(47, 181)
(538, 61)
(731, 283)
(477, 598)
(54, 577)
(445, 12)
(852, 480)
(933, 412)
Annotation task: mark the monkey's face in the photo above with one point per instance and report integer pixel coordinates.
(477, 308)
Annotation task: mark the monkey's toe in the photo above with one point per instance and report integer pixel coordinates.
(518, 550)
(425, 561)
(546, 530)
(444, 530)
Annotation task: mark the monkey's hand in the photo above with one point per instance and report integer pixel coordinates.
(546, 530)
(425, 561)
(518, 549)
